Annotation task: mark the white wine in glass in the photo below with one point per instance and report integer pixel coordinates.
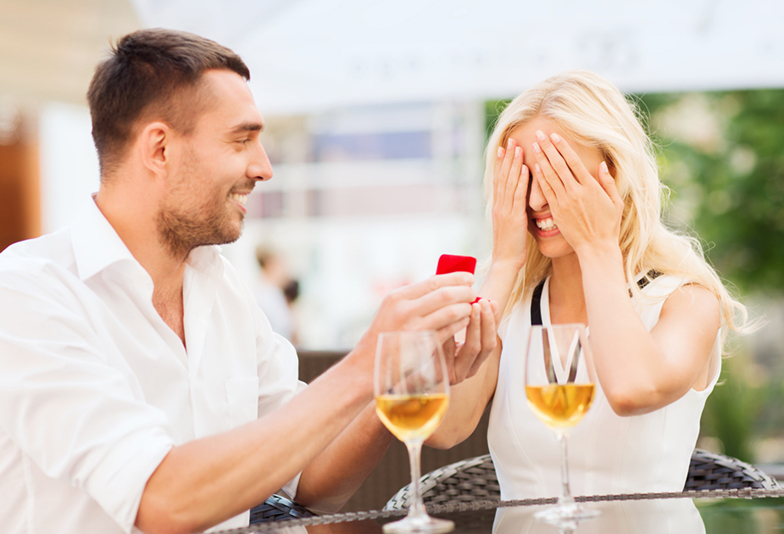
(559, 385)
(411, 386)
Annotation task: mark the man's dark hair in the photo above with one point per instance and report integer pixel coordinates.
(151, 73)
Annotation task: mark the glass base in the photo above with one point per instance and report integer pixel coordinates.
(566, 515)
(424, 523)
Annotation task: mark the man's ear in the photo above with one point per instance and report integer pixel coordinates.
(154, 143)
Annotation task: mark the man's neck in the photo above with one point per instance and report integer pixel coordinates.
(133, 217)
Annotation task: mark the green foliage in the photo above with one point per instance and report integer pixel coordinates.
(735, 179)
(493, 109)
(731, 411)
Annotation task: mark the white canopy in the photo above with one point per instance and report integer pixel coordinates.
(307, 55)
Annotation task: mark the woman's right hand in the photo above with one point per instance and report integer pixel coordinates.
(510, 216)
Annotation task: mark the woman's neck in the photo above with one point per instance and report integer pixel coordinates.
(566, 297)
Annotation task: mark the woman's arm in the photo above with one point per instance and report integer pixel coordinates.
(642, 371)
(469, 399)
(639, 371)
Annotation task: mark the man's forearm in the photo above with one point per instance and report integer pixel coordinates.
(203, 482)
(336, 474)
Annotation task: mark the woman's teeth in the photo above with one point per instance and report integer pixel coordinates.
(546, 224)
(239, 198)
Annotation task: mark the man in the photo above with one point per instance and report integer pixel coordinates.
(140, 385)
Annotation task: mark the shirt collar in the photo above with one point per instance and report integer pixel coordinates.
(97, 246)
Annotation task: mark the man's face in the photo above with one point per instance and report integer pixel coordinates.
(214, 168)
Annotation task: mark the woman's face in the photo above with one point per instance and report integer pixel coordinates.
(540, 223)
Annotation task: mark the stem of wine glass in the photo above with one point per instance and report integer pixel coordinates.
(417, 508)
(566, 493)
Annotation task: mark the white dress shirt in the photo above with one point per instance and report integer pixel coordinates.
(95, 388)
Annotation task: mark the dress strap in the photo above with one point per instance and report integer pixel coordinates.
(536, 304)
(536, 298)
(645, 280)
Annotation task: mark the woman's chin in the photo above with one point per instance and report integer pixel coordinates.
(554, 247)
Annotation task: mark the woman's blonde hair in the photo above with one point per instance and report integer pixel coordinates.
(595, 114)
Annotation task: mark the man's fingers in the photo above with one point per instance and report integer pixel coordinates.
(419, 289)
(445, 296)
(442, 318)
(448, 332)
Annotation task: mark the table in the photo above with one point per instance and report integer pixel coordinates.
(710, 512)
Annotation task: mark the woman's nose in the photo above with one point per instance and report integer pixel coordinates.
(536, 199)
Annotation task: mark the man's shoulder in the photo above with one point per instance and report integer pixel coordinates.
(32, 257)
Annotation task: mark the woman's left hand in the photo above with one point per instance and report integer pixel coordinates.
(586, 210)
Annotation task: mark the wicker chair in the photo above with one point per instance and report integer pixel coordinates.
(474, 479)
(278, 508)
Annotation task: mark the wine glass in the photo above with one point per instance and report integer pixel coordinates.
(411, 386)
(559, 385)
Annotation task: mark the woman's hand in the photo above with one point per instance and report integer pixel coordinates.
(587, 210)
(510, 217)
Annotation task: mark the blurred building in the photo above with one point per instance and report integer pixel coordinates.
(364, 200)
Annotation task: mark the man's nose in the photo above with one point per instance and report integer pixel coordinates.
(259, 167)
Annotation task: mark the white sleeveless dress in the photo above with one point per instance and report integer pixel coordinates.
(607, 453)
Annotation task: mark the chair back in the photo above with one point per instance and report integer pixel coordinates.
(278, 508)
(474, 479)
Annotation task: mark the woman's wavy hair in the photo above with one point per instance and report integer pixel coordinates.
(596, 114)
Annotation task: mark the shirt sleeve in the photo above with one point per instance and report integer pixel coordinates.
(68, 400)
(278, 368)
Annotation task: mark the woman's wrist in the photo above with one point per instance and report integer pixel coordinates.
(599, 251)
(507, 265)
(600, 257)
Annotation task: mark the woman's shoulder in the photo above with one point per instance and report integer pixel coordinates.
(657, 283)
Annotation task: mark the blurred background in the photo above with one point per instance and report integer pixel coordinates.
(377, 114)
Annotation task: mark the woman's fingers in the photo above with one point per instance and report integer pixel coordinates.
(488, 335)
(513, 180)
(570, 157)
(480, 341)
(503, 172)
(548, 174)
(547, 190)
(497, 183)
(553, 158)
(521, 193)
(607, 182)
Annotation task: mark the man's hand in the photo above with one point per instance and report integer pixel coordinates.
(442, 303)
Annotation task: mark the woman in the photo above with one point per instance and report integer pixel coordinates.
(576, 205)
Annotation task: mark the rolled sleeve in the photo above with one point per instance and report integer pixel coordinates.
(71, 406)
(278, 368)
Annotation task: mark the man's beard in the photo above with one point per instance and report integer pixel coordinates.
(183, 227)
(181, 232)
